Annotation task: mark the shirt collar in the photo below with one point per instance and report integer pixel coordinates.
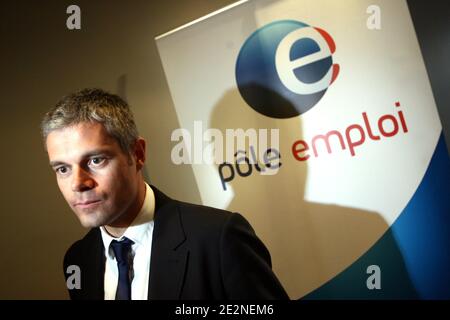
(138, 228)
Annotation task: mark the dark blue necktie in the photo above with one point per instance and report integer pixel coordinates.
(122, 252)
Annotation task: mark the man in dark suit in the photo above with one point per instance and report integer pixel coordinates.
(142, 244)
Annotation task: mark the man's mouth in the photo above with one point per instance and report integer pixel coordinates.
(87, 204)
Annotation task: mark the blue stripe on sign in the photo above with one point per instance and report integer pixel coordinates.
(414, 253)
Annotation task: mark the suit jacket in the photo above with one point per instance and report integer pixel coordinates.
(198, 252)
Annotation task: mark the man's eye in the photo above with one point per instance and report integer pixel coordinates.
(61, 170)
(97, 161)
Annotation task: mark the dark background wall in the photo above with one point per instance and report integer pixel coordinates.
(432, 23)
(115, 49)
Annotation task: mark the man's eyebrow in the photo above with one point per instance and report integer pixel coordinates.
(88, 154)
(56, 163)
(98, 152)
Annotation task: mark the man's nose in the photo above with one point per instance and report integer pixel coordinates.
(81, 180)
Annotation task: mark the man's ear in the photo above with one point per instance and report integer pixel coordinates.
(139, 153)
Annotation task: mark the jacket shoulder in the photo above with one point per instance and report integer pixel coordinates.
(203, 220)
(234, 248)
(201, 212)
(75, 253)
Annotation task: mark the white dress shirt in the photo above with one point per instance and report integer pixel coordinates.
(140, 232)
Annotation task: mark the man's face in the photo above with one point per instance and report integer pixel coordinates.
(99, 181)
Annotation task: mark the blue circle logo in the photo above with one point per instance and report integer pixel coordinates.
(284, 68)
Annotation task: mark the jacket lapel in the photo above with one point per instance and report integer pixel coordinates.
(94, 274)
(169, 256)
